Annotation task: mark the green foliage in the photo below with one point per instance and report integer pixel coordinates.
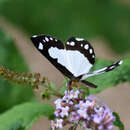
(46, 94)
(21, 117)
(112, 78)
(118, 122)
(109, 19)
(10, 93)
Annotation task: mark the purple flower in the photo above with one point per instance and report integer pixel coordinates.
(91, 101)
(64, 111)
(103, 117)
(83, 113)
(68, 95)
(97, 119)
(85, 125)
(58, 103)
(74, 117)
(57, 112)
(76, 94)
(73, 109)
(53, 125)
(59, 123)
(81, 105)
(71, 103)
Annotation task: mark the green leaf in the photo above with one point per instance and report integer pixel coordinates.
(10, 93)
(118, 122)
(112, 78)
(21, 117)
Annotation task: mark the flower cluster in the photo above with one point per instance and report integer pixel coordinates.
(88, 112)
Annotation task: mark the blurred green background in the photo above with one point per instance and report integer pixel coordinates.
(104, 19)
(109, 19)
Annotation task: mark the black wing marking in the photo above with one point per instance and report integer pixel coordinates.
(43, 43)
(88, 84)
(100, 71)
(83, 46)
(47, 41)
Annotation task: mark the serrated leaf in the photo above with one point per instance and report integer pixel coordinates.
(118, 122)
(21, 117)
(112, 78)
(10, 93)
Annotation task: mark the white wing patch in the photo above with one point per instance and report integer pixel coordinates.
(79, 39)
(46, 38)
(73, 60)
(40, 47)
(120, 62)
(96, 72)
(86, 46)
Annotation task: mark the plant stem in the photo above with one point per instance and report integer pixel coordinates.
(30, 79)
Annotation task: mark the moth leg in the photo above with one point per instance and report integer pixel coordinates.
(88, 84)
(69, 84)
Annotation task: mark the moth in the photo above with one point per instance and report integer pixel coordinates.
(73, 59)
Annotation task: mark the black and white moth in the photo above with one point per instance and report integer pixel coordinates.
(74, 59)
